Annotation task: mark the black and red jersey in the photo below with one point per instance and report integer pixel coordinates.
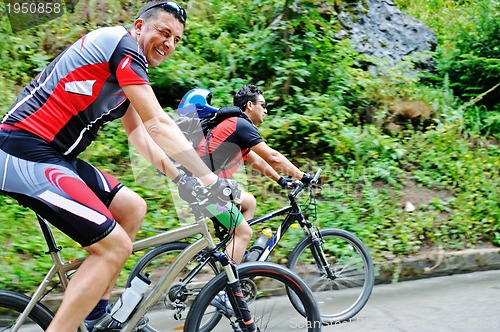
(81, 90)
(228, 145)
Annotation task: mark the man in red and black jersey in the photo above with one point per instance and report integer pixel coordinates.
(235, 140)
(101, 77)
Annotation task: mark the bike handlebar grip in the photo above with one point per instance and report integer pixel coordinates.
(316, 176)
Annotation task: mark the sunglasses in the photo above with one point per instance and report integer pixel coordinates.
(263, 104)
(173, 8)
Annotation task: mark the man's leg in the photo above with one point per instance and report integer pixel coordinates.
(105, 261)
(248, 205)
(129, 210)
(238, 245)
(243, 232)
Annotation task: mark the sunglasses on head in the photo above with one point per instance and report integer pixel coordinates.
(173, 8)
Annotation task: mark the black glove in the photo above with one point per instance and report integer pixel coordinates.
(223, 190)
(284, 182)
(307, 178)
(188, 188)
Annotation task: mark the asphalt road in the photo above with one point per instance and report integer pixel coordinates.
(467, 302)
(458, 303)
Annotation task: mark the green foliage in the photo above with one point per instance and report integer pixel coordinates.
(475, 65)
(325, 110)
(469, 54)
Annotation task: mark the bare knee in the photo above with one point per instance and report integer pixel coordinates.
(115, 248)
(248, 205)
(129, 210)
(137, 208)
(244, 232)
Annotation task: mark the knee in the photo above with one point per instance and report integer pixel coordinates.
(128, 208)
(248, 205)
(139, 208)
(251, 201)
(121, 244)
(244, 232)
(115, 248)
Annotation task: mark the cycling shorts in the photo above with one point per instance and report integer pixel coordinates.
(71, 194)
(228, 215)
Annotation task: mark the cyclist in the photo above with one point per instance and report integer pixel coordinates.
(101, 77)
(237, 139)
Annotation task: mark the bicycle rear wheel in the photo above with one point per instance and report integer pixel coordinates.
(13, 304)
(345, 292)
(264, 287)
(170, 312)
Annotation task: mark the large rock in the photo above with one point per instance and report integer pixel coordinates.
(379, 29)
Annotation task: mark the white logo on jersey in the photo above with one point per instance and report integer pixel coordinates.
(80, 87)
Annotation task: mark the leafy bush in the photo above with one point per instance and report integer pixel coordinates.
(468, 55)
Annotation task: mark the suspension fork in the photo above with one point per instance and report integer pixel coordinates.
(319, 255)
(235, 294)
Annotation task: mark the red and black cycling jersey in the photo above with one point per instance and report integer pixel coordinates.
(81, 90)
(228, 145)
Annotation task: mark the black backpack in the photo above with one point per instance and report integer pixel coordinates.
(197, 128)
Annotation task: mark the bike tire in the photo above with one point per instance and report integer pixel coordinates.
(271, 311)
(342, 297)
(164, 314)
(12, 304)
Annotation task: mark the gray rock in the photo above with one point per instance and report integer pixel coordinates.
(379, 29)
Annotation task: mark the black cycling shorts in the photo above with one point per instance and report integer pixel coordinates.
(71, 194)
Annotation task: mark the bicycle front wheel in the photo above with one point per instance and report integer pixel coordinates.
(343, 287)
(13, 304)
(264, 286)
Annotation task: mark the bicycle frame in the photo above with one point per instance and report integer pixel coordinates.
(293, 213)
(61, 268)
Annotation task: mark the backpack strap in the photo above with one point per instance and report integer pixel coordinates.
(225, 163)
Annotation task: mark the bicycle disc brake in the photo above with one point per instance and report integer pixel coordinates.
(249, 289)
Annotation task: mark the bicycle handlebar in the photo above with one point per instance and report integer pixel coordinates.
(205, 197)
(297, 186)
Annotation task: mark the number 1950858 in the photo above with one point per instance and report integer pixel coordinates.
(34, 8)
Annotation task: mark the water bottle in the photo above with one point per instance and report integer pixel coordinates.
(259, 245)
(130, 298)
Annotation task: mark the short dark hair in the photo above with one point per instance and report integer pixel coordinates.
(148, 11)
(245, 94)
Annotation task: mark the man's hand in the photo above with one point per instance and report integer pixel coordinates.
(307, 178)
(188, 188)
(284, 182)
(223, 190)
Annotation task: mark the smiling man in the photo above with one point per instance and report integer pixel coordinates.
(101, 77)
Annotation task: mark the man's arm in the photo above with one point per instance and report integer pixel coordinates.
(277, 161)
(145, 145)
(262, 166)
(162, 129)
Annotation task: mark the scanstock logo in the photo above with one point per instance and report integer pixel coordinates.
(25, 14)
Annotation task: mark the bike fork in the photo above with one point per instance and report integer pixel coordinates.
(319, 255)
(236, 297)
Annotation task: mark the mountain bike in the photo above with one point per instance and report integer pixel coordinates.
(334, 263)
(19, 312)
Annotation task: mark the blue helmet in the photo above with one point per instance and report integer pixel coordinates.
(196, 100)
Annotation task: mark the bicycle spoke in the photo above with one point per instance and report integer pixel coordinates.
(342, 296)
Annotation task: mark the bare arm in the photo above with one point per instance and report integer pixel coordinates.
(145, 145)
(262, 166)
(162, 129)
(277, 161)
